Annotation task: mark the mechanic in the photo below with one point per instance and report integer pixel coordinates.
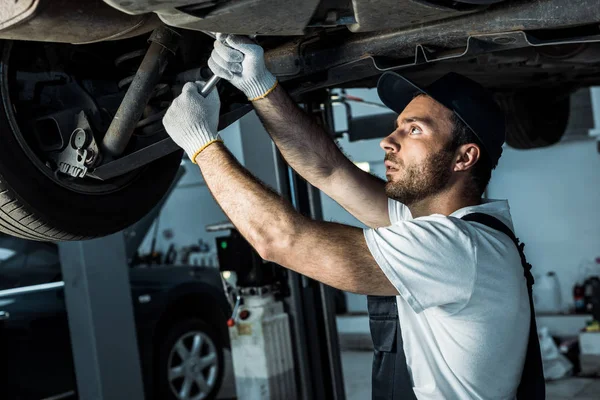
(450, 312)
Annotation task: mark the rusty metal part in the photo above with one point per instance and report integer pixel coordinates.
(166, 37)
(157, 150)
(135, 160)
(367, 54)
(71, 21)
(164, 41)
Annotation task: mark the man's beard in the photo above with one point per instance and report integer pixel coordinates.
(418, 182)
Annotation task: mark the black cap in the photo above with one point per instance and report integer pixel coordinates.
(469, 101)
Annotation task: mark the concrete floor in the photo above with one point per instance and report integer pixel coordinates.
(228, 387)
(356, 366)
(573, 388)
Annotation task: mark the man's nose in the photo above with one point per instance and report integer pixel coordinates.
(389, 144)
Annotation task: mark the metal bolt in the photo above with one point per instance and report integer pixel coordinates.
(91, 157)
(79, 138)
(331, 17)
(504, 40)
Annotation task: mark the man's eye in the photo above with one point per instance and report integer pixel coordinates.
(415, 131)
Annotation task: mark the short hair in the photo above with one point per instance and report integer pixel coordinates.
(481, 172)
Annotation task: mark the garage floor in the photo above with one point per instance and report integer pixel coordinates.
(356, 367)
(357, 380)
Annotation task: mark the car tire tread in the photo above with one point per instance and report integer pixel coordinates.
(15, 225)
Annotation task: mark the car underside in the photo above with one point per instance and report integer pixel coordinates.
(85, 83)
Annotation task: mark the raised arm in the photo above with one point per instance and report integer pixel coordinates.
(310, 151)
(306, 147)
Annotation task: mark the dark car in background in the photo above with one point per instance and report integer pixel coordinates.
(179, 312)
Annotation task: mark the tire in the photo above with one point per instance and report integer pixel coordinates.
(168, 358)
(33, 206)
(535, 118)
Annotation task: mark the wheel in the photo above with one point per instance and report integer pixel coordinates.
(535, 118)
(190, 364)
(43, 85)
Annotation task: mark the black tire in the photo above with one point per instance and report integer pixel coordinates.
(178, 330)
(535, 118)
(33, 206)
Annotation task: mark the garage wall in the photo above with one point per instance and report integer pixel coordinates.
(190, 206)
(554, 195)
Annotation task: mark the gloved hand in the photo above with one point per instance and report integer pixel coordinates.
(192, 120)
(241, 61)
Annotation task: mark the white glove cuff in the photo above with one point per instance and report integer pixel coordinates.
(257, 87)
(196, 138)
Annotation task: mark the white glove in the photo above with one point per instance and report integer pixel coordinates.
(241, 61)
(192, 120)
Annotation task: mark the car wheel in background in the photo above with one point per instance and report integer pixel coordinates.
(190, 364)
(535, 118)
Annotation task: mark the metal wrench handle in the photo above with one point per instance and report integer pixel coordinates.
(212, 82)
(209, 85)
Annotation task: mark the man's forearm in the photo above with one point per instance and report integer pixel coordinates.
(246, 201)
(306, 147)
(334, 254)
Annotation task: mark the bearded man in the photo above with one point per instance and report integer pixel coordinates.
(450, 311)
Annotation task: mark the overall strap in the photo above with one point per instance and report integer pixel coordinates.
(532, 385)
(390, 378)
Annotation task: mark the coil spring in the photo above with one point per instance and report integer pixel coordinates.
(151, 123)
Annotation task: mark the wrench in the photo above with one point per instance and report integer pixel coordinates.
(212, 82)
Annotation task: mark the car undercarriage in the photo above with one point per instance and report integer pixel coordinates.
(85, 83)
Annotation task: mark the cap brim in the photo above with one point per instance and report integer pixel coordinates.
(395, 91)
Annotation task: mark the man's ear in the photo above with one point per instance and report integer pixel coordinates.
(466, 157)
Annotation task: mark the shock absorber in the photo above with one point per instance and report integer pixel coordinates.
(164, 41)
(150, 122)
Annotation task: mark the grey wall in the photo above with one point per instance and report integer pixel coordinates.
(554, 195)
(191, 207)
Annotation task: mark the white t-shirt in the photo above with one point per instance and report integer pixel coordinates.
(463, 304)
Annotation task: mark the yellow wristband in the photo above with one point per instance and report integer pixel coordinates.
(266, 93)
(203, 147)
